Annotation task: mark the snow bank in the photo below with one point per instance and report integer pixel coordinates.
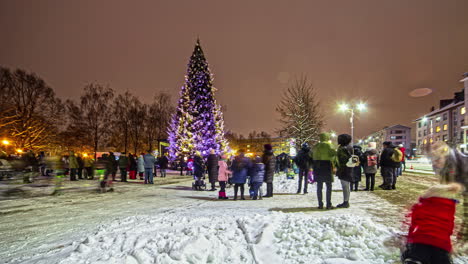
(199, 236)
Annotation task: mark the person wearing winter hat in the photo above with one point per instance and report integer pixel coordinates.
(344, 172)
(371, 165)
(269, 160)
(303, 161)
(432, 224)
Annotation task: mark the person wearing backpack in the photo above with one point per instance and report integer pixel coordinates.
(402, 161)
(397, 157)
(371, 165)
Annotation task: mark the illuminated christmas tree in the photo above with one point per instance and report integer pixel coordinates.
(198, 123)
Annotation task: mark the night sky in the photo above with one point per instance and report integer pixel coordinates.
(376, 50)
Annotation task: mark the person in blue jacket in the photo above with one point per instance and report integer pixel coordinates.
(240, 169)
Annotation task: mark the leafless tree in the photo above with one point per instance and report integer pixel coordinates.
(137, 120)
(300, 115)
(92, 117)
(158, 118)
(121, 121)
(29, 109)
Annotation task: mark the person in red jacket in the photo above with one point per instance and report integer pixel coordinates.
(432, 224)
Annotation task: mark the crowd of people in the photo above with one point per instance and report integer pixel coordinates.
(318, 164)
(84, 167)
(432, 218)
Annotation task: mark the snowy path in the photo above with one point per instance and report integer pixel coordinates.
(172, 224)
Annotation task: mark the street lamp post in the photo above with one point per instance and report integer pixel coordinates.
(361, 107)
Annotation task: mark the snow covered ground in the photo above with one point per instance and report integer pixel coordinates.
(195, 227)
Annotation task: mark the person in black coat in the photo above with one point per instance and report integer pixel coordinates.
(303, 161)
(387, 166)
(344, 173)
(198, 166)
(163, 163)
(357, 171)
(212, 166)
(269, 160)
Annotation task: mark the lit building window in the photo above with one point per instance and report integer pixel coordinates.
(432, 140)
(445, 127)
(425, 141)
(463, 110)
(438, 129)
(432, 130)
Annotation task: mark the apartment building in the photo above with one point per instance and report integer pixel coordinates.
(447, 123)
(397, 134)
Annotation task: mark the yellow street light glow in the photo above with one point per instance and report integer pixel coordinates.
(343, 107)
(85, 155)
(19, 150)
(5, 142)
(361, 106)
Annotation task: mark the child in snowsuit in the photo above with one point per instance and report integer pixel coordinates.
(432, 223)
(223, 176)
(257, 175)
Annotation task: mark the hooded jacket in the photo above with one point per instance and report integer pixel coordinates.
(257, 172)
(432, 218)
(223, 171)
(303, 159)
(240, 169)
(323, 156)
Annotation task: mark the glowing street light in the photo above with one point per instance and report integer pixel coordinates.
(19, 150)
(361, 107)
(343, 107)
(5, 142)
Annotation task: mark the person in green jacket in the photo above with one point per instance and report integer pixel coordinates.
(123, 164)
(73, 164)
(323, 155)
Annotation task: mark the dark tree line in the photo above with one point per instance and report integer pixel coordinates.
(32, 117)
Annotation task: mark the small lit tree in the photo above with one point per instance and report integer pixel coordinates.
(299, 111)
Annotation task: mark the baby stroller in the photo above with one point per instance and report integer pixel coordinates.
(199, 183)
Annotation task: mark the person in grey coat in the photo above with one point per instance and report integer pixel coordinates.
(269, 160)
(149, 161)
(212, 166)
(371, 165)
